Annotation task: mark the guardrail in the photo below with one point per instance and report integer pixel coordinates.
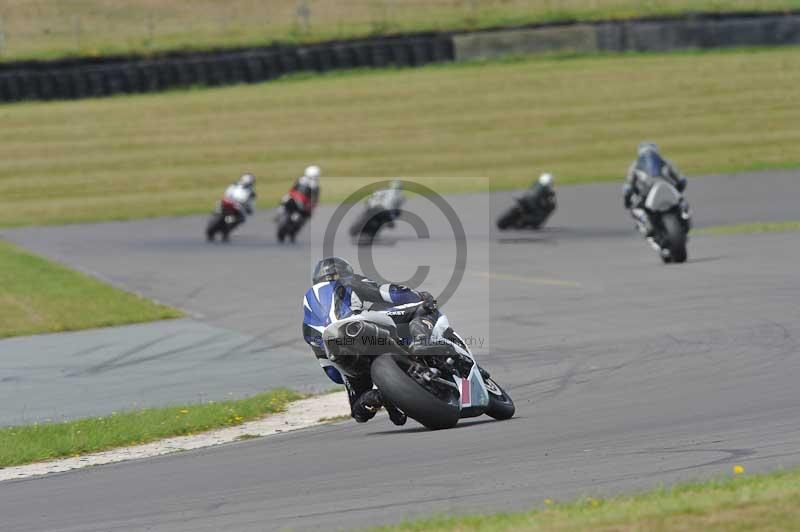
(96, 77)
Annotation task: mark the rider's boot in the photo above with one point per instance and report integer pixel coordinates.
(643, 221)
(396, 416)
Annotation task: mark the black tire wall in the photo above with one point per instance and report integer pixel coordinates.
(93, 77)
(88, 78)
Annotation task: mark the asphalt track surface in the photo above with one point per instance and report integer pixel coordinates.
(627, 374)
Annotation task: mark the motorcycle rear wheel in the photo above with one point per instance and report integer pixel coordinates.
(214, 225)
(676, 237)
(508, 219)
(415, 401)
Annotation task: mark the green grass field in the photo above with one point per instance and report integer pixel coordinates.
(44, 441)
(580, 118)
(47, 29)
(39, 296)
(761, 502)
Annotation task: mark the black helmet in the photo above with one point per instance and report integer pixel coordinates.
(330, 269)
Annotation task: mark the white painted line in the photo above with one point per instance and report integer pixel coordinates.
(299, 415)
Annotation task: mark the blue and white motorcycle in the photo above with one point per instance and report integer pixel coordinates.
(667, 211)
(436, 385)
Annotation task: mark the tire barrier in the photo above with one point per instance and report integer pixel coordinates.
(106, 76)
(93, 77)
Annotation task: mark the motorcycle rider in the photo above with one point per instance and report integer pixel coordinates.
(304, 193)
(389, 200)
(383, 207)
(366, 294)
(543, 195)
(242, 195)
(648, 161)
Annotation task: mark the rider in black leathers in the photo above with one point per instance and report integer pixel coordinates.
(650, 162)
(364, 400)
(543, 197)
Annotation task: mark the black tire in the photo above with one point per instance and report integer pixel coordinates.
(500, 406)
(402, 391)
(508, 219)
(214, 225)
(676, 237)
(281, 231)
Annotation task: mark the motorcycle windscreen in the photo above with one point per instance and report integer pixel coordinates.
(662, 197)
(323, 304)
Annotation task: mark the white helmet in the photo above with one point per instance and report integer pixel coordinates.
(312, 172)
(247, 180)
(546, 179)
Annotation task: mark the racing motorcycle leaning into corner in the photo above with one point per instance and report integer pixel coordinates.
(435, 384)
(533, 207)
(381, 210)
(298, 204)
(232, 210)
(654, 194)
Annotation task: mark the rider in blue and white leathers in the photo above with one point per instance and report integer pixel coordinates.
(336, 284)
(650, 162)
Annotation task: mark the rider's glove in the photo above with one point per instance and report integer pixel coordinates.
(428, 301)
(682, 184)
(627, 192)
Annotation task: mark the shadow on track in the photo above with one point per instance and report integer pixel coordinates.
(420, 428)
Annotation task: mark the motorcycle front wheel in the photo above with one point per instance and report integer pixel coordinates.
(416, 401)
(508, 219)
(501, 406)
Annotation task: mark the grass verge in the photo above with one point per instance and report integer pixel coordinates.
(754, 227)
(34, 443)
(46, 29)
(39, 296)
(760, 502)
(579, 117)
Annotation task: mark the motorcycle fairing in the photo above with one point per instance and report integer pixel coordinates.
(662, 197)
(472, 388)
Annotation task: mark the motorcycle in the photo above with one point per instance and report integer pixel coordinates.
(290, 220)
(224, 219)
(669, 215)
(436, 385)
(532, 210)
(365, 229)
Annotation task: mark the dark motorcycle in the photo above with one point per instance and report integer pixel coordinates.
(533, 208)
(365, 229)
(668, 213)
(436, 385)
(224, 219)
(290, 220)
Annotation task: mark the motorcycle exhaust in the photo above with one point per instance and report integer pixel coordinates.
(354, 329)
(370, 334)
